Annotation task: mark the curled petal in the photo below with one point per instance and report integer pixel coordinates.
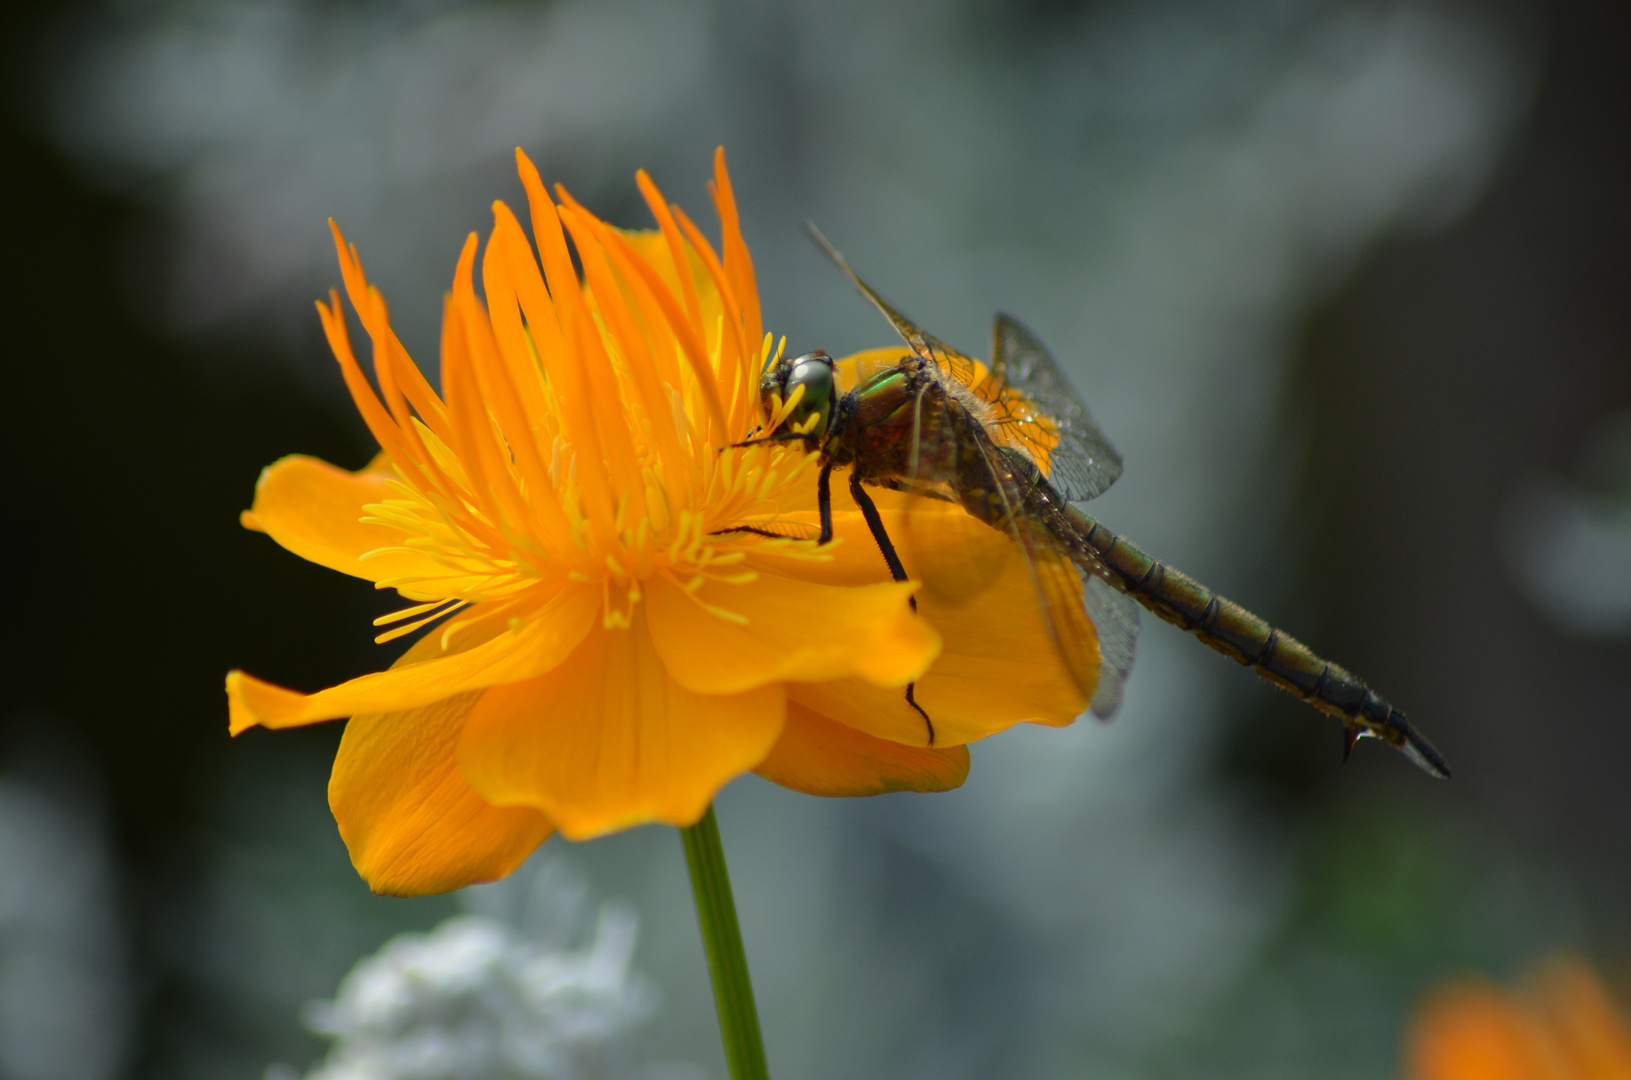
(998, 668)
(315, 510)
(410, 820)
(608, 740)
(819, 756)
(998, 665)
(533, 647)
(790, 630)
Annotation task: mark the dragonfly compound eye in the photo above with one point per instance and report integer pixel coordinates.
(814, 372)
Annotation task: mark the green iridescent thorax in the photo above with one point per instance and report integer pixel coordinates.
(883, 397)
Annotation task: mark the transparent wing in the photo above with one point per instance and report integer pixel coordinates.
(1030, 406)
(952, 456)
(1035, 409)
(960, 457)
(952, 364)
(1115, 617)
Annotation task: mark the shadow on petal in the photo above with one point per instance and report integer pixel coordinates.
(819, 756)
(609, 740)
(410, 820)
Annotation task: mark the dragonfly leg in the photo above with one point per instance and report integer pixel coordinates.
(901, 485)
(824, 503)
(1350, 736)
(874, 522)
(912, 701)
(756, 531)
(780, 436)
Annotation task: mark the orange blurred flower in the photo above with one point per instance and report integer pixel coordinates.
(606, 650)
(1563, 1025)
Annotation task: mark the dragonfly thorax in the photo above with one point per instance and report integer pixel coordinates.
(811, 380)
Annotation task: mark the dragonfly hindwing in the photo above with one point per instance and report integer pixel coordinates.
(1081, 462)
(1115, 617)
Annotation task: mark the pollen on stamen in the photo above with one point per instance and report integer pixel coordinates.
(408, 613)
(767, 359)
(443, 607)
(690, 589)
(781, 409)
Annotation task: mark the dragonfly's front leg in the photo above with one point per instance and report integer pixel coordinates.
(874, 522)
(824, 503)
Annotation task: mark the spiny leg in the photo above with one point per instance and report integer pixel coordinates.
(824, 503)
(874, 522)
(1350, 736)
(756, 531)
(779, 437)
(912, 701)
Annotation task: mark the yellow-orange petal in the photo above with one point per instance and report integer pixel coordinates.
(315, 510)
(1472, 1032)
(997, 668)
(856, 368)
(998, 665)
(536, 645)
(819, 756)
(608, 740)
(793, 630)
(410, 820)
(1563, 1024)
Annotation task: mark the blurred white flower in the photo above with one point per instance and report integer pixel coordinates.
(1569, 545)
(65, 994)
(478, 998)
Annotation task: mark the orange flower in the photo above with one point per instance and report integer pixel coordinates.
(1565, 1026)
(608, 646)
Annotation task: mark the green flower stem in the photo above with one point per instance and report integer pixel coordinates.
(722, 941)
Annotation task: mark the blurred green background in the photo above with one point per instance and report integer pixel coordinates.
(1346, 282)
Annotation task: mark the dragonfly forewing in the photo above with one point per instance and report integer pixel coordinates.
(1034, 408)
(953, 454)
(1115, 618)
(953, 364)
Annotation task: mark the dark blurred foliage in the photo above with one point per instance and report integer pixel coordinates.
(1447, 366)
(136, 589)
(1446, 369)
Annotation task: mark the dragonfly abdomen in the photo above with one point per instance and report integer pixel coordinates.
(1247, 639)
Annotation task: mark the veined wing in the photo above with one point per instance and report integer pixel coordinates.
(953, 456)
(1115, 618)
(1035, 409)
(1030, 406)
(952, 364)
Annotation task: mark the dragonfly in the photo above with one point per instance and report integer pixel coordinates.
(1015, 447)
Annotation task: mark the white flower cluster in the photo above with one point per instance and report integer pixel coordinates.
(66, 999)
(479, 999)
(1568, 542)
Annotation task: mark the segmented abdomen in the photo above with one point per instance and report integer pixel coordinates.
(1249, 640)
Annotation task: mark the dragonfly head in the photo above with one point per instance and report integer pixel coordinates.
(814, 372)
